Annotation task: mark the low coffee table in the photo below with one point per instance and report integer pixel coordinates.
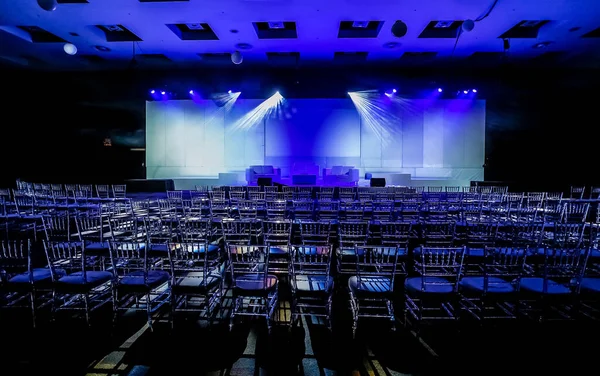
(304, 179)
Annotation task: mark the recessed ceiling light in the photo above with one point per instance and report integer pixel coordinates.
(574, 28)
(391, 45)
(234, 31)
(102, 48)
(73, 34)
(243, 46)
(542, 44)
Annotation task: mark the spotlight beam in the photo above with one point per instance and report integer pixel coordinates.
(376, 114)
(271, 106)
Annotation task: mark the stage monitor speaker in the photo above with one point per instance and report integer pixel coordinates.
(265, 182)
(377, 182)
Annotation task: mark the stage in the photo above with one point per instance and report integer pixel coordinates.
(230, 179)
(411, 142)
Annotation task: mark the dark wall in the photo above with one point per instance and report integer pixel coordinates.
(541, 125)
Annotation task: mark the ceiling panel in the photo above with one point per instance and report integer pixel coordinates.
(571, 30)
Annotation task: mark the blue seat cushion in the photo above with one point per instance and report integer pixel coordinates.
(590, 285)
(370, 285)
(313, 283)
(135, 280)
(361, 251)
(495, 285)
(201, 248)
(428, 285)
(279, 250)
(77, 281)
(195, 283)
(39, 275)
(476, 252)
(536, 285)
(255, 284)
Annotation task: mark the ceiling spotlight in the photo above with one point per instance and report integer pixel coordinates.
(474, 90)
(163, 93)
(399, 29)
(468, 25)
(70, 49)
(393, 90)
(47, 5)
(237, 57)
(440, 90)
(192, 92)
(229, 92)
(152, 91)
(542, 45)
(466, 91)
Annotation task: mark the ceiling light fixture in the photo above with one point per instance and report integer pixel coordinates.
(70, 49)
(542, 44)
(243, 46)
(237, 58)
(47, 5)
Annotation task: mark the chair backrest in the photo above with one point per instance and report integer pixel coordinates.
(481, 234)
(195, 229)
(310, 260)
(353, 233)
(505, 263)
(376, 261)
(239, 232)
(119, 190)
(439, 234)
(192, 259)
(439, 266)
(57, 226)
(396, 233)
(566, 265)
(315, 233)
(277, 232)
(568, 235)
(251, 261)
(90, 227)
(131, 256)
(15, 257)
(68, 257)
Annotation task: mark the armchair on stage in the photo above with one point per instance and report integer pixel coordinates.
(341, 176)
(255, 172)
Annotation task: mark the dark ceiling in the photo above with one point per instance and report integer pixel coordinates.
(289, 33)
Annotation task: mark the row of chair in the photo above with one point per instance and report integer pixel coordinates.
(505, 283)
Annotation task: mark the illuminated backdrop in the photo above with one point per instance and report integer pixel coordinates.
(428, 138)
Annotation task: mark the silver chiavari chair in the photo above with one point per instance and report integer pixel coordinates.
(493, 291)
(371, 288)
(433, 294)
(311, 282)
(139, 281)
(254, 288)
(79, 281)
(196, 278)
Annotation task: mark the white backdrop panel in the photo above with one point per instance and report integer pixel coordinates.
(428, 138)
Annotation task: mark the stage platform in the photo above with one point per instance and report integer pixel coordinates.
(392, 179)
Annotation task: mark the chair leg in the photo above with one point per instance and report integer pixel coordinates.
(33, 308)
(234, 309)
(115, 308)
(86, 302)
(329, 312)
(149, 312)
(172, 311)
